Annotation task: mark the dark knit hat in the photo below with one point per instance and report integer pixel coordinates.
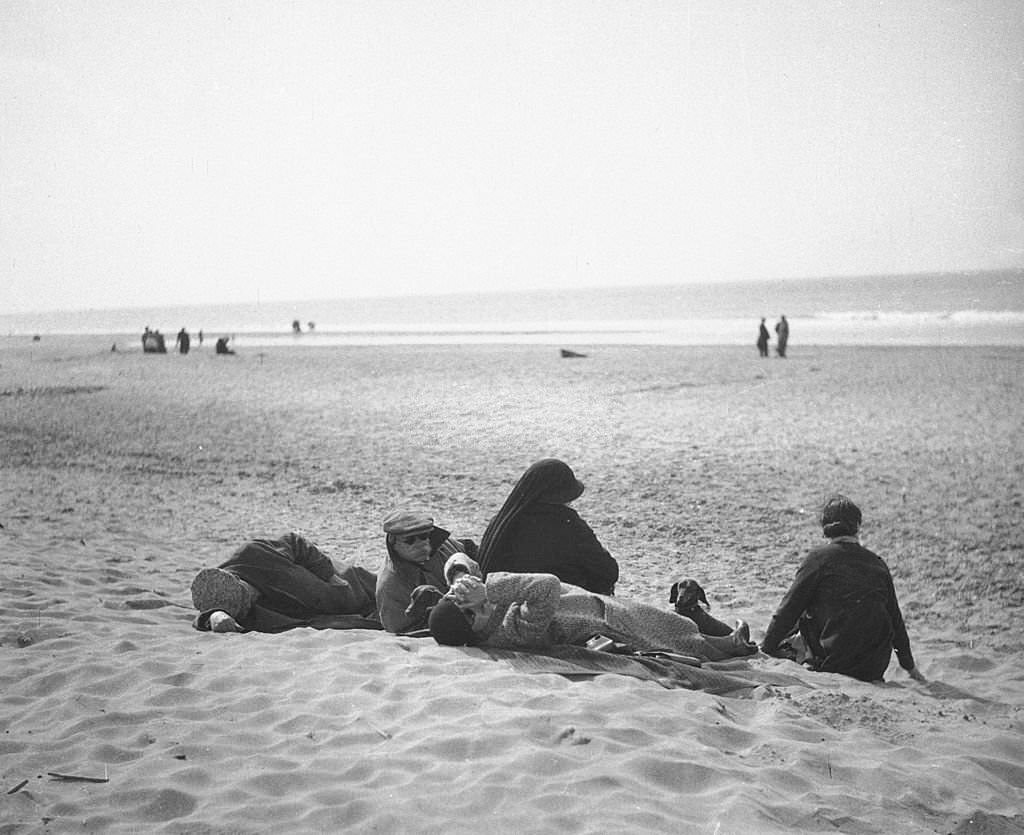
(840, 517)
(449, 624)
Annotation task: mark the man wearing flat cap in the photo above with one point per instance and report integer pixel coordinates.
(417, 550)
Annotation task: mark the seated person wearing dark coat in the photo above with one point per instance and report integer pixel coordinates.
(844, 603)
(417, 550)
(270, 585)
(536, 531)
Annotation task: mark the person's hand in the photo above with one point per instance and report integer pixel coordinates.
(459, 564)
(223, 622)
(916, 674)
(469, 591)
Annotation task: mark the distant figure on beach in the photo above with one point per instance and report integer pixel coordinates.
(222, 346)
(417, 551)
(296, 327)
(536, 611)
(183, 341)
(843, 602)
(153, 342)
(782, 329)
(270, 585)
(200, 338)
(536, 531)
(762, 339)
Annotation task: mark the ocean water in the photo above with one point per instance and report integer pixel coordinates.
(942, 309)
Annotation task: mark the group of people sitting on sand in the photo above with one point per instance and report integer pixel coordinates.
(540, 577)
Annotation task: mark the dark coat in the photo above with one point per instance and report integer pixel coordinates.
(844, 602)
(552, 539)
(397, 578)
(291, 577)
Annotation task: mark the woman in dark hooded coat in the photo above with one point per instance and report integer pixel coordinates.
(537, 532)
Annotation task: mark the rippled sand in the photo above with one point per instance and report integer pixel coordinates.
(122, 474)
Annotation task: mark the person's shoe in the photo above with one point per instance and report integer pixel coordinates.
(215, 588)
(741, 636)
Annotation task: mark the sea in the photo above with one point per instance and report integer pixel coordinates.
(975, 308)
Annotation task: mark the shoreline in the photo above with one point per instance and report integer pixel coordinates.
(1011, 336)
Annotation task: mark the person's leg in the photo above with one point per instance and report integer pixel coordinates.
(649, 628)
(736, 645)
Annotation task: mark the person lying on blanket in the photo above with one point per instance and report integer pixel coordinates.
(535, 611)
(269, 585)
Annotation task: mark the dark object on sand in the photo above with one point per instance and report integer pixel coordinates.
(687, 595)
(153, 342)
(222, 346)
(567, 354)
(422, 599)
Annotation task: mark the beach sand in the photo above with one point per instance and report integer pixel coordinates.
(123, 474)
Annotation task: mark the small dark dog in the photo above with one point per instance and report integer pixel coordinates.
(421, 601)
(686, 595)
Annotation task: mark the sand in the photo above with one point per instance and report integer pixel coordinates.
(123, 474)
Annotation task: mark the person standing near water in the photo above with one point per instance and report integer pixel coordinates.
(762, 339)
(183, 342)
(782, 329)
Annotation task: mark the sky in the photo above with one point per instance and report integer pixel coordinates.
(156, 153)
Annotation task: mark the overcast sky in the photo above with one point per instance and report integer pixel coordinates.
(179, 152)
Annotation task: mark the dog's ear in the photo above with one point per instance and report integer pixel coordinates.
(703, 598)
(673, 593)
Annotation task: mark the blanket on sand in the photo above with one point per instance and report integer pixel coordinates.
(723, 678)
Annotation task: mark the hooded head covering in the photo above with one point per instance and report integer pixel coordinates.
(548, 480)
(449, 625)
(840, 517)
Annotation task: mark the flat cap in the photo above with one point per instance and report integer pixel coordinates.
(407, 521)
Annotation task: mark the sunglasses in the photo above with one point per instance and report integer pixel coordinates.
(413, 538)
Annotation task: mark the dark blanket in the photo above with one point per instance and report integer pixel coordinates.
(724, 678)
